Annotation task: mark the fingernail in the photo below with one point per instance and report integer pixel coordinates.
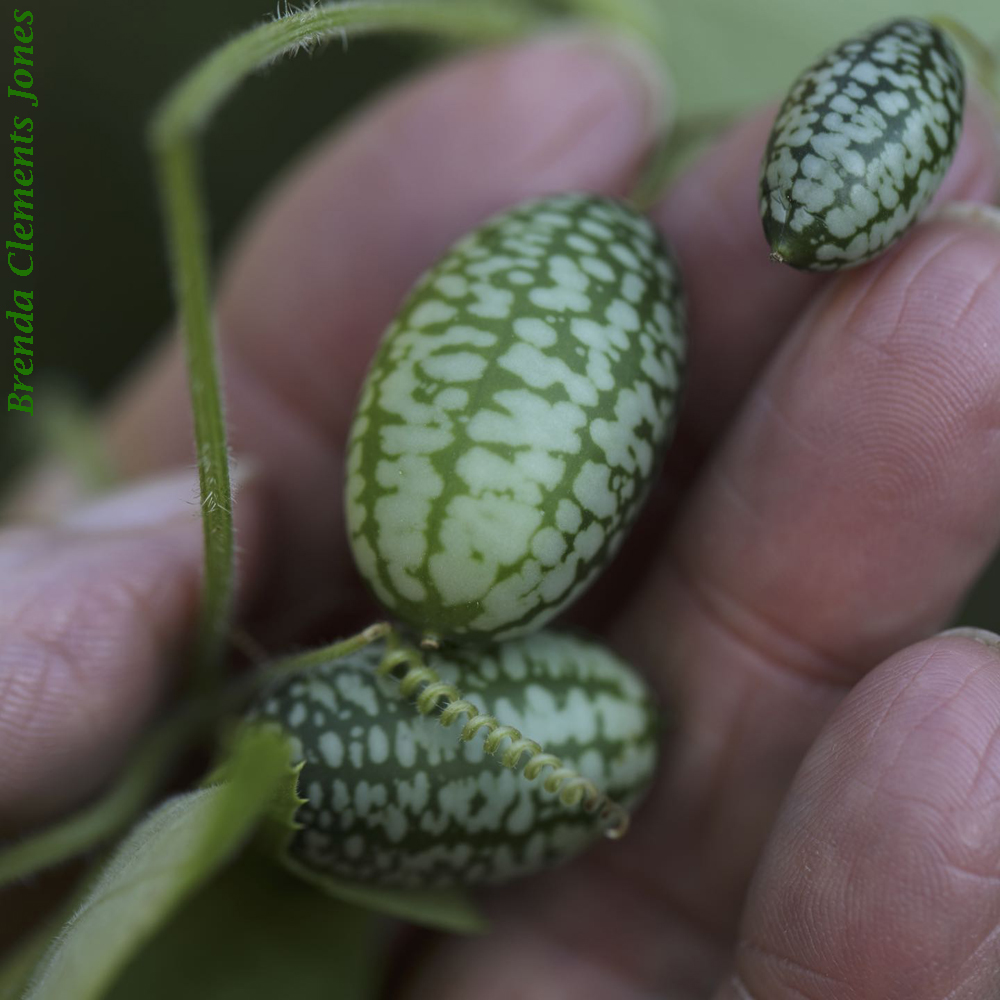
(972, 212)
(980, 635)
(151, 503)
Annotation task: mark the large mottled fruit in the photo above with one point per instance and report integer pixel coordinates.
(860, 145)
(513, 418)
(394, 798)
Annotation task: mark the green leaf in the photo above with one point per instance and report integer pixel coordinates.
(159, 865)
(441, 909)
(113, 811)
(70, 430)
(256, 933)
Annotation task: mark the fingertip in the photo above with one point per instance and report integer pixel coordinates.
(711, 215)
(145, 504)
(887, 849)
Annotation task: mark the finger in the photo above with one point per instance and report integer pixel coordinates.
(582, 933)
(331, 254)
(741, 303)
(93, 614)
(848, 511)
(741, 307)
(882, 877)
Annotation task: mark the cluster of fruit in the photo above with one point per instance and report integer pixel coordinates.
(508, 432)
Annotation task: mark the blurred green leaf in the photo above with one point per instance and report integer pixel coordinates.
(256, 933)
(441, 909)
(69, 430)
(159, 865)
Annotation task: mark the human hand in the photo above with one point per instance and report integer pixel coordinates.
(831, 497)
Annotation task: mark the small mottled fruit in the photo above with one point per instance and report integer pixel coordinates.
(513, 418)
(394, 798)
(860, 145)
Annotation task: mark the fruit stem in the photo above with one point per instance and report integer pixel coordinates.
(173, 137)
(316, 657)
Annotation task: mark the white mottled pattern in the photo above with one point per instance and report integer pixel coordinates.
(861, 144)
(494, 400)
(415, 806)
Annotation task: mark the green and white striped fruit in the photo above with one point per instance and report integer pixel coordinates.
(513, 418)
(394, 798)
(860, 145)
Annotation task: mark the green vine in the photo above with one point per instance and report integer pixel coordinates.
(152, 759)
(173, 136)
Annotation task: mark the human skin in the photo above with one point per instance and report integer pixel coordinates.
(826, 820)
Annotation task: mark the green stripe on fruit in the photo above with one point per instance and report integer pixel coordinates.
(514, 417)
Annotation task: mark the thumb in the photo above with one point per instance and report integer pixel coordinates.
(95, 612)
(882, 876)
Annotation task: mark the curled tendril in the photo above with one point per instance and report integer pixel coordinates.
(433, 696)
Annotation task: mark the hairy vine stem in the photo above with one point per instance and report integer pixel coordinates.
(173, 137)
